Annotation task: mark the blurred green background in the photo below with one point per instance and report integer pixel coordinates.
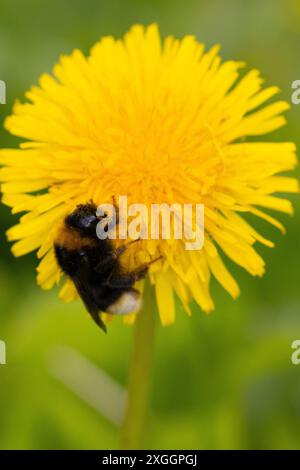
(223, 381)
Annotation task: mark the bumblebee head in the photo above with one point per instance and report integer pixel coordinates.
(83, 219)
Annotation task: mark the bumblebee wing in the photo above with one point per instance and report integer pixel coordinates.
(86, 293)
(86, 296)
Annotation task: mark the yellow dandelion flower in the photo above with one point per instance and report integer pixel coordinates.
(161, 122)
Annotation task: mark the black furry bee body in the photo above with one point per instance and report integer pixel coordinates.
(94, 266)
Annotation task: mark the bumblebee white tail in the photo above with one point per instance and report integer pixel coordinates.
(130, 301)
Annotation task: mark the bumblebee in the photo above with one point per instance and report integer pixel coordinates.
(94, 266)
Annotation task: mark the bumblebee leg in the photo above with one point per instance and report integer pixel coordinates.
(128, 280)
(122, 248)
(106, 263)
(109, 260)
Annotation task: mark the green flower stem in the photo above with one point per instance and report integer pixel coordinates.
(140, 373)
